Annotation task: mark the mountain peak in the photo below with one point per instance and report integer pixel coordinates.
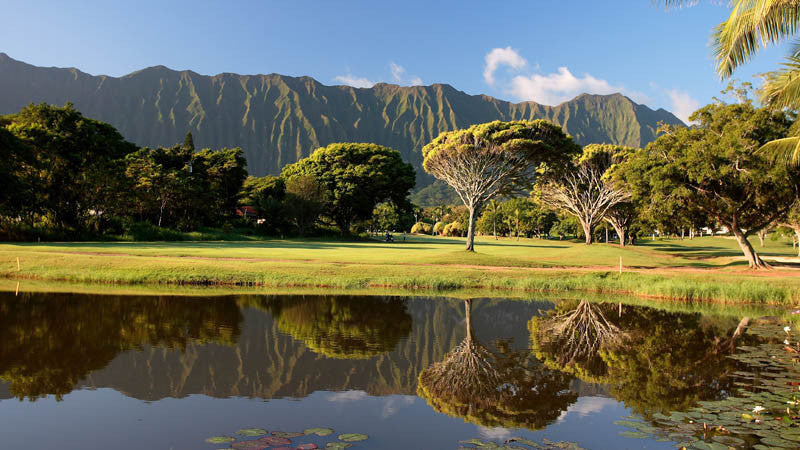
(277, 119)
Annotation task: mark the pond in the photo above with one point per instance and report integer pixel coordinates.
(84, 371)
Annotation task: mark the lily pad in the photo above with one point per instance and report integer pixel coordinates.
(220, 440)
(353, 437)
(307, 447)
(275, 440)
(319, 431)
(635, 434)
(252, 432)
(287, 434)
(337, 445)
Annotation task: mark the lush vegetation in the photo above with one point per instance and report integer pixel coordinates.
(74, 178)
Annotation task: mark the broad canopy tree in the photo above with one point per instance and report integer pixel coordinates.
(585, 192)
(495, 158)
(355, 178)
(717, 170)
(75, 163)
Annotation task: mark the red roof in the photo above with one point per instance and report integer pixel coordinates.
(246, 211)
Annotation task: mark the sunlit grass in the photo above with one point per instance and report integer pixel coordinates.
(705, 268)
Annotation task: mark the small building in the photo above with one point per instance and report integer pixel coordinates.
(248, 212)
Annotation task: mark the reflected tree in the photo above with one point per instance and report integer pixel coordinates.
(572, 340)
(666, 361)
(495, 387)
(343, 326)
(49, 343)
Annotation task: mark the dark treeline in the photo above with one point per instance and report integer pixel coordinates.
(65, 176)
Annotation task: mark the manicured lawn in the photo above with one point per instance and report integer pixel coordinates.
(703, 268)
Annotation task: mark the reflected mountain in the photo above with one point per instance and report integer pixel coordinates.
(151, 348)
(499, 387)
(341, 326)
(652, 360)
(49, 343)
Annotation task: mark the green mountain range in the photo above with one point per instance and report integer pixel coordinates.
(278, 119)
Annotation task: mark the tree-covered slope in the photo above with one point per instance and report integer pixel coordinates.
(278, 119)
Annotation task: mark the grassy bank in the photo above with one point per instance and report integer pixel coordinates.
(701, 269)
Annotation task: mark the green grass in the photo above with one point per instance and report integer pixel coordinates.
(701, 269)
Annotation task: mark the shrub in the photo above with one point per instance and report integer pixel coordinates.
(143, 231)
(438, 227)
(421, 228)
(453, 229)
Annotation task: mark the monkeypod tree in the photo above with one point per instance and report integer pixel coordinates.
(584, 191)
(356, 177)
(495, 158)
(716, 168)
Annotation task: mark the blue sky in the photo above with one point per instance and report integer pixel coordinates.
(538, 50)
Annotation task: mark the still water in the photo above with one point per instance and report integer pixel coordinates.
(133, 372)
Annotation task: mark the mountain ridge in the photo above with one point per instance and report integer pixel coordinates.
(278, 119)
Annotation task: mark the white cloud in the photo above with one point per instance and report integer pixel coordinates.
(398, 71)
(501, 56)
(400, 76)
(683, 105)
(558, 87)
(357, 82)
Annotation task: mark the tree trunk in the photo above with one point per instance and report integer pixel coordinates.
(587, 231)
(797, 235)
(620, 233)
(471, 230)
(494, 227)
(606, 227)
(753, 260)
(761, 235)
(468, 318)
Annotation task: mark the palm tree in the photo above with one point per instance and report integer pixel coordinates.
(751, 26)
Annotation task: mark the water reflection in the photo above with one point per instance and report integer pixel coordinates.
(476, 365)
(341, 326)
(49, 343)
(652, 360)
(498, 387)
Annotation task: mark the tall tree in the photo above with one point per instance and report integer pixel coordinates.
(78, 159)
(188, 141)
(584, 191)
(496, 157)
(305, 201)
(716, 168)
(17, 175)
(267, 195)
(792, 222)
(357, 177)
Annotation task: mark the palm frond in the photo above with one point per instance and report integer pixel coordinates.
(781, 87)
(753, 24)
(786, 149)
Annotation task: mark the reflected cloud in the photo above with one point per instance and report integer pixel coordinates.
(393, 404)
(587, 405)
(494, 433)
(347, 396)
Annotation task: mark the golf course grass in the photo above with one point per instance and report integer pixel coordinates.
(705, 268)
